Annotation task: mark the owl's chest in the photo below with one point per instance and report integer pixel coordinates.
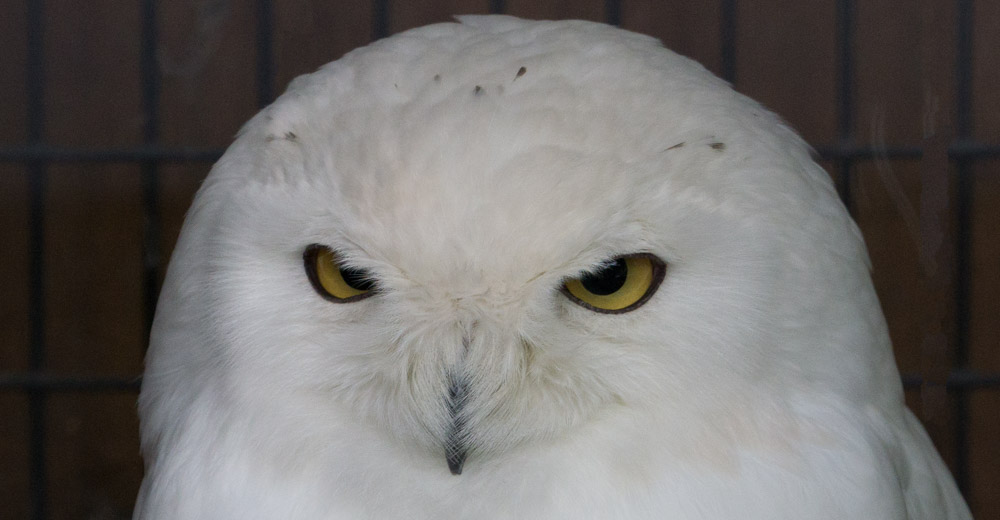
(585, 482)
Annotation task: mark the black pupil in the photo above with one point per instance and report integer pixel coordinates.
(607, 280)
(357, 279)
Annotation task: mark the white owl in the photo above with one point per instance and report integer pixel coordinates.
(514, 269)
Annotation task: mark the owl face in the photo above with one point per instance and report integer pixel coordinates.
(471, 256)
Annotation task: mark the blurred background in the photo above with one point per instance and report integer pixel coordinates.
(112, 112)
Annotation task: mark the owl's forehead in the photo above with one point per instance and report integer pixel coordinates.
(457, 200)
(529, 157)
(493, 148)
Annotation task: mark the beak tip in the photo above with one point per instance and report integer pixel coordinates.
(455, 462)
(454, 448)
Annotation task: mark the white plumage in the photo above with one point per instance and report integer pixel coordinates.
(471, 172)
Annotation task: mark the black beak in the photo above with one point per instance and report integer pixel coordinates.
(455, 448)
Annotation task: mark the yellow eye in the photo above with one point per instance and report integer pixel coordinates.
(334, 281)
(621, 286)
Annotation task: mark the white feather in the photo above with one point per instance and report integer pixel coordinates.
(472, 168)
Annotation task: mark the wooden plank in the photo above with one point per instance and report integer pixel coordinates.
(92, 90)
(984, 328)
(14, 285)
(207, 58)
(986, 72)
(692, 29)
(407, 15)
(14, 456)
(13, 99)
(93, 445)
(984, 459)
(887, 61)
(311, 33)
(886, 195)
(93, 261)
(786, 59)
(593, 10)
(936, 211)
(984, 338)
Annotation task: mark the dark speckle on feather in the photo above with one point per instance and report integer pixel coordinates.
(520, 72)
(718, 146)
(437, 77)
(288, 136)
(478, 90)
(674, 147)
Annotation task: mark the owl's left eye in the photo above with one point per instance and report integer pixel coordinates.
(622, 285)
(334, 281)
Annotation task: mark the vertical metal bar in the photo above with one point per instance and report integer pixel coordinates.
(265, 55)
(35, 84)
(963, 238)
(149, 68)
(845, 95)
(727, 26)
(613, 12)
(498, 6)
(380, 19)
(151, 229)
(845, 187)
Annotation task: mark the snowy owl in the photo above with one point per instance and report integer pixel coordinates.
(513, 269)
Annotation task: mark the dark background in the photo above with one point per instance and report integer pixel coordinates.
(111, 113)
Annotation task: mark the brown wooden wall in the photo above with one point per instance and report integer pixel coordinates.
(93, 228)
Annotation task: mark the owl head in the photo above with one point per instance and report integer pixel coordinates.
(474, 238)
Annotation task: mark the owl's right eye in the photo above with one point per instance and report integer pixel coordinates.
(624, 284)
(334, 281)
